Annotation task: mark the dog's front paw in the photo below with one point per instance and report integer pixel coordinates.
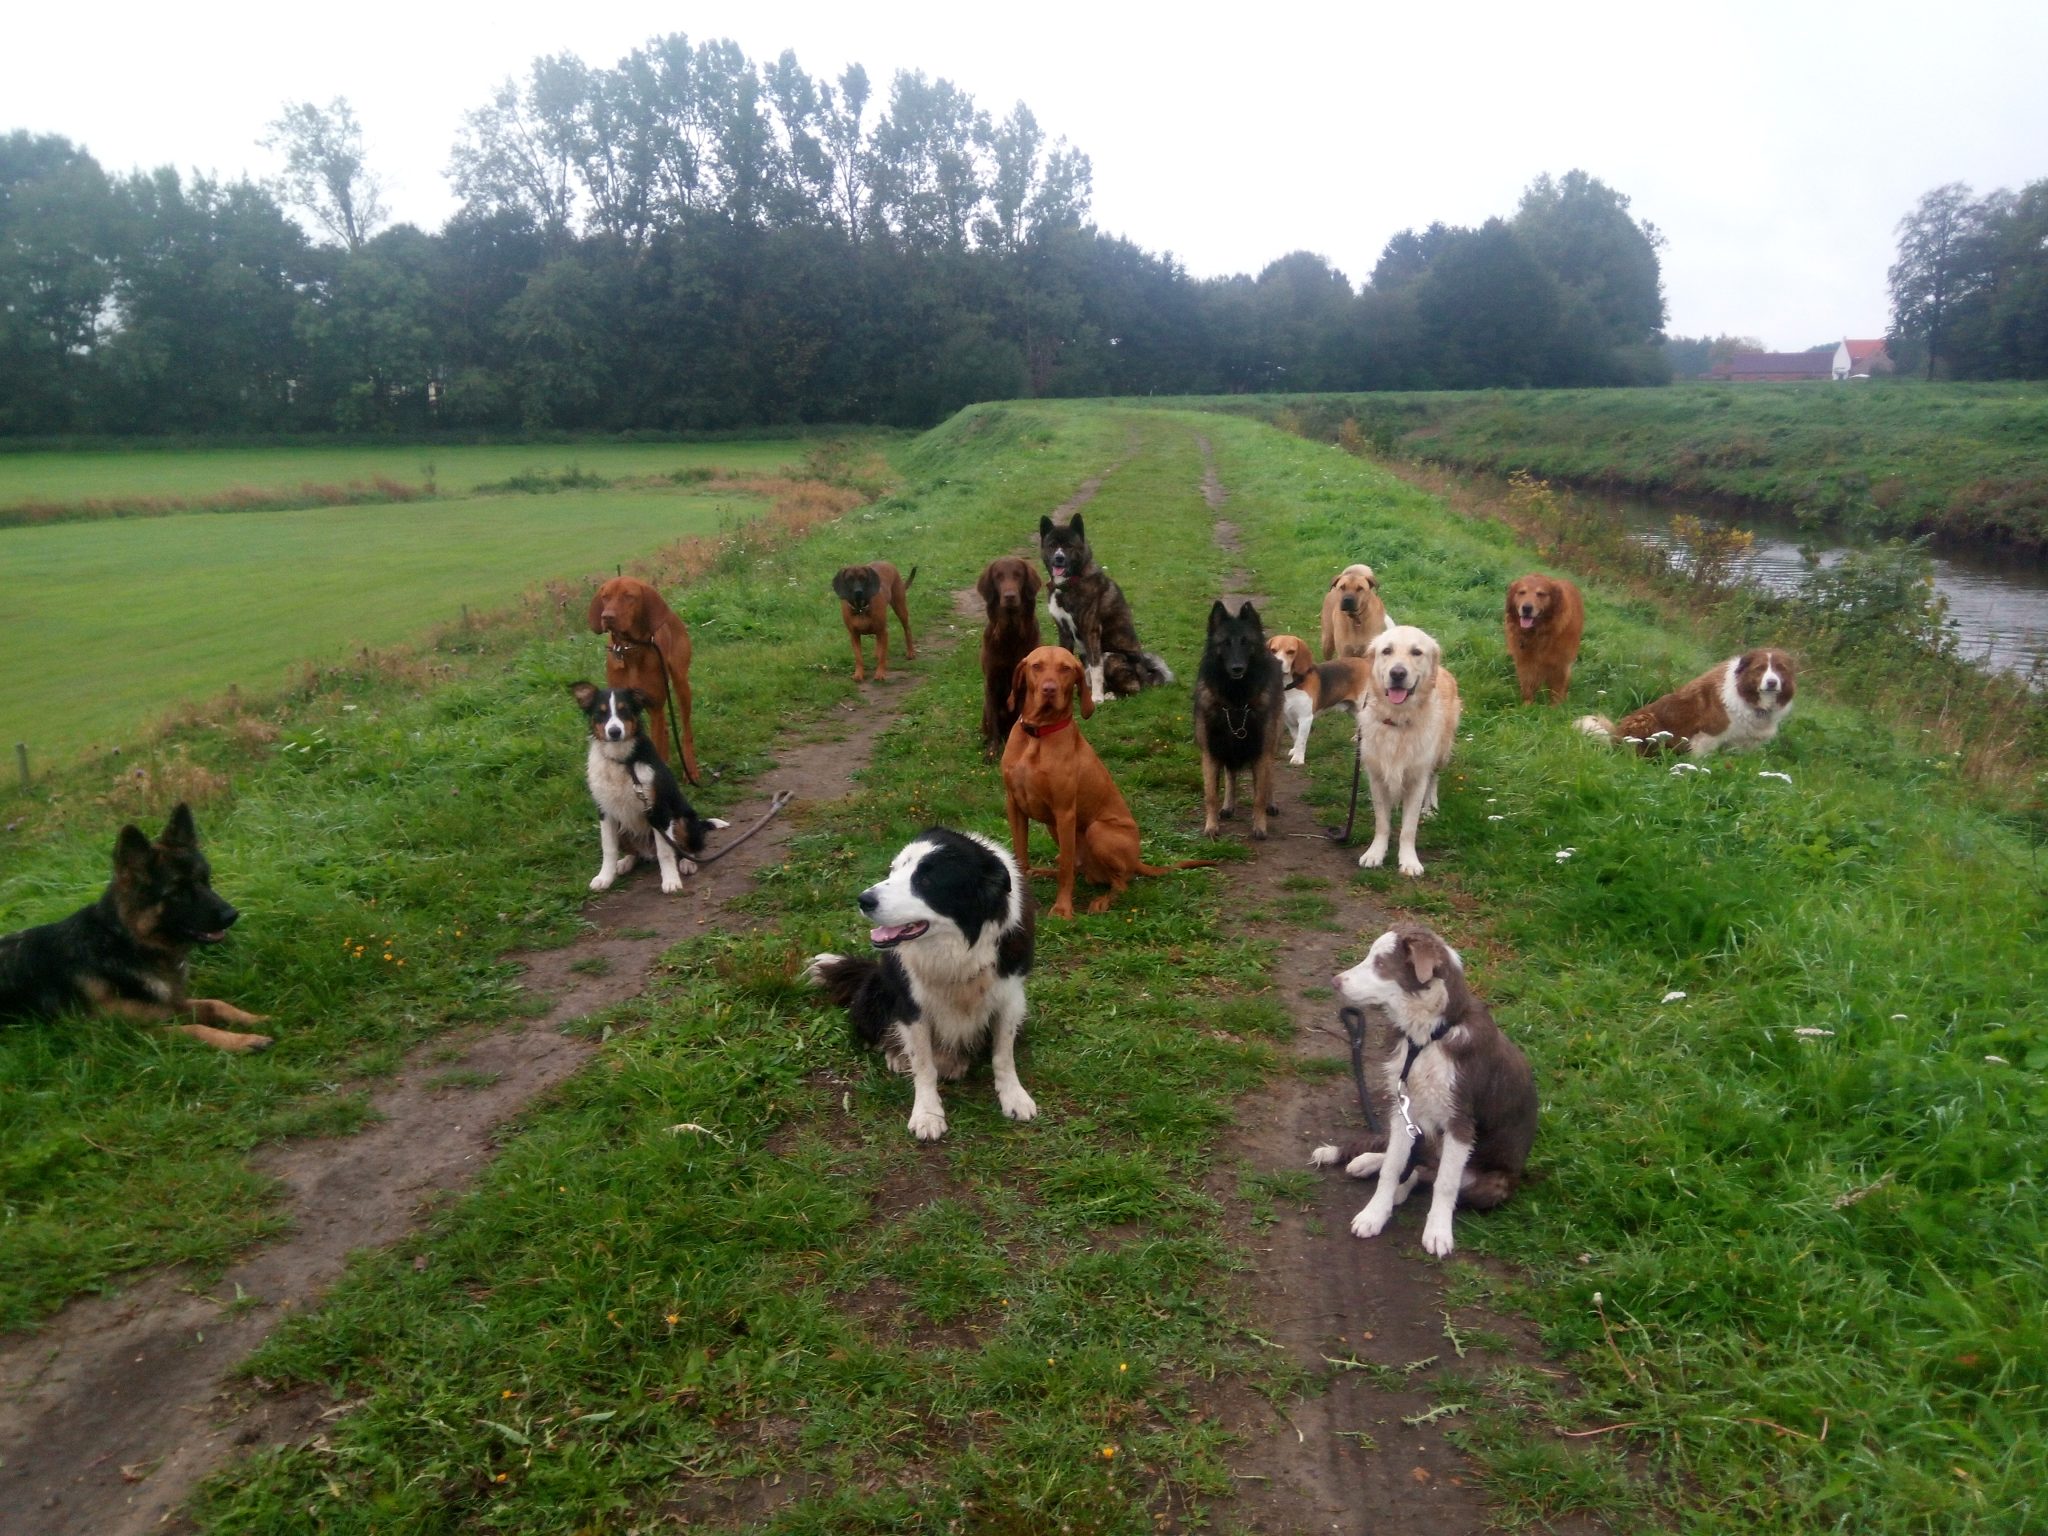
(1410, 864)
(1371, 1221)
(1299, 759)
(814, 972)
(1365, 1165)
(625, 864)
(1324, 1157)
(1373, 857)
(1019, 1105)
(928, 1124)
(671, 883)
(1211, 827)
(716, 823)
(602, 880)
(1436, 1237)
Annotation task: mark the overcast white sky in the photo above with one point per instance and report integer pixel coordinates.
(1775, 145)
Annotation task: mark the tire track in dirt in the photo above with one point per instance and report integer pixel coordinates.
(1340, 1458)
(115, 1410)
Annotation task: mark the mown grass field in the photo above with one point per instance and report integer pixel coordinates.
(1798, 1275)
(455, 468)
(125, 618)
(1967, 462)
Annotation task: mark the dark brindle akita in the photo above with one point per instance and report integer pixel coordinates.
(125, 954)
(1093, 616)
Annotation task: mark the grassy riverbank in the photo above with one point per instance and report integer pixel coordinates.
(1965, 462)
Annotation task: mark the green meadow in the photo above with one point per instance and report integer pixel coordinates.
(1785, 1015)
(125, 618)
(143, 472)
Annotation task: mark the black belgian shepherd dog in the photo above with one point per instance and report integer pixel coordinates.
(1239, 709)
(125, 954)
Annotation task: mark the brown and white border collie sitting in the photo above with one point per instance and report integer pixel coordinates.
(1453, 1082)
(1735, 704)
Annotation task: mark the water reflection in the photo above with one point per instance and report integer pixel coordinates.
(1999, 604)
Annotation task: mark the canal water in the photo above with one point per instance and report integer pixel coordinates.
(1999, 605)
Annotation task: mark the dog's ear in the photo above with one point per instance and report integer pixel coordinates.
(1044, 526)
(986, 586)
(132, 854)
(1218, 614)
(1250, 615)
(1032, 583)
(640, 699)
(1087, 694)
(1372, 578)
(1425, 954)
(1075, 528)
(842, 584)
(182, 832)
(597, 612)
(1017, 683)
(1335, 579)
(586, 694)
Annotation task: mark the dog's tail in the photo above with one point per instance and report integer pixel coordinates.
(1596, 725)
(1167, 869)
(855, 983)
(910, 578)
(1128, 672)
(1157, 673)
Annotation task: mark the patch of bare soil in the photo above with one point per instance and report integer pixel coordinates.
(116, 1408)
(1357, 1315)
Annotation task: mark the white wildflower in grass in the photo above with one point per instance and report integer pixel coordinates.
(1563, 854)
(1813, 1034)
(1673, 997)
(1998, 1060)
(1898, 1018)
(1770, 773)
(1496, 818)
(1680, 769)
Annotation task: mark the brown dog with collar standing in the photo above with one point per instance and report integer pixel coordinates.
(866, 593)
(1009, 591)
(1051, 775)
(648, 649)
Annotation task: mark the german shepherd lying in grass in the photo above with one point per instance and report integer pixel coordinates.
(125, 954)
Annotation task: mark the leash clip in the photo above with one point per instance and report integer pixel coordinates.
(1407, 1119)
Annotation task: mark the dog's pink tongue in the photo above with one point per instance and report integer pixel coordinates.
(1397, 695)
(1528, 622)
(889, 935)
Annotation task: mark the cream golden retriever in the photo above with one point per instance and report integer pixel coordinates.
(1407, 724)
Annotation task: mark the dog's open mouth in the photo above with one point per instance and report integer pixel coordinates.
(214, 937)
(1398, 695)
(889, 938)
(1528, 621)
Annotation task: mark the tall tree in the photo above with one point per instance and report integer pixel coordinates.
(62, 234)
(1581, 229)
(324, 171)
(1932, 271)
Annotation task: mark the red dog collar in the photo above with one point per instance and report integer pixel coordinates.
(1047, 730)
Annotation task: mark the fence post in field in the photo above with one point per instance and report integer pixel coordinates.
(21, 761)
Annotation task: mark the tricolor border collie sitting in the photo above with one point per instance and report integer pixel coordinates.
(1453, 1081)
(640, 806)
(954, 925)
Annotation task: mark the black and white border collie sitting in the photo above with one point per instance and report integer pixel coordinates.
(640, 806)
(1452, 1080)
(954, 925)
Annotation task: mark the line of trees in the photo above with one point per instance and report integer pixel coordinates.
(1970, 286)
(689, 240)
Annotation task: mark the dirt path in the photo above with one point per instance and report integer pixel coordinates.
(1339, 1459)
(114, 1410)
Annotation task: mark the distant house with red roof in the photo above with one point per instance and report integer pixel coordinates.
(1861, 359)
(1850, 360)
(1773, 367)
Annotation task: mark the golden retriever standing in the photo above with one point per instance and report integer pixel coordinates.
(1353, 615)
(1545, 619)
(1407, 725)
(647, 647)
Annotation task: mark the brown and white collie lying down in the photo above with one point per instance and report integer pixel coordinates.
(1735, 704)
(1453, 1082)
